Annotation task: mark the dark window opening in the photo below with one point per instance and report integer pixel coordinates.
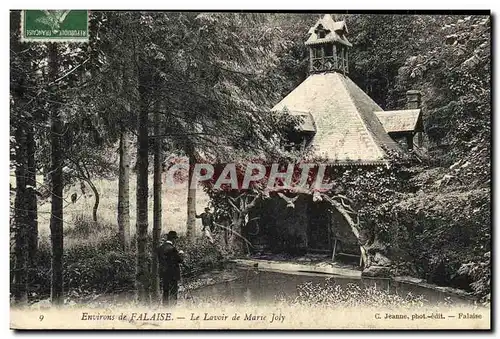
(329, 50)
(321, 34)
(316, 52)
(340, 52)
(298, 141)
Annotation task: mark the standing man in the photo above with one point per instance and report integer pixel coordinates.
(169, 259)
(207, 220)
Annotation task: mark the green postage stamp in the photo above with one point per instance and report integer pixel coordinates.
(55, 25)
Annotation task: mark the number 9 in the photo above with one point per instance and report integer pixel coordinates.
(41, 317)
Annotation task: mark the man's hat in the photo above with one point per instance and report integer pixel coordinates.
(172, 235)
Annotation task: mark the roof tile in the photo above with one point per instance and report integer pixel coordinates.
(399, 121)
(347, 128)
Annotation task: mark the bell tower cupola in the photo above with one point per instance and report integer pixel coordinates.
(328, 46)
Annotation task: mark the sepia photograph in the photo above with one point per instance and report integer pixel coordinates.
(250, 170)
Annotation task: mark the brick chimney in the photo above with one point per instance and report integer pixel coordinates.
(413, 99)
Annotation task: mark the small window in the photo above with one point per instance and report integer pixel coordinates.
(329, 50)
(316, 52)
(321, 34)
(341, 53)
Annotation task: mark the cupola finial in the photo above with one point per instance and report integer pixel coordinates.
(328, 46)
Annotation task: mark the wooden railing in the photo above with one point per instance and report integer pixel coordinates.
(324, 64)
(330, 63)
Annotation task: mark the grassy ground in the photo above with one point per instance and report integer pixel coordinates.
(94, 261)
(174, 209)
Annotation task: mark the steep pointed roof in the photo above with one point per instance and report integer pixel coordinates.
(334, 31)
(347, 129)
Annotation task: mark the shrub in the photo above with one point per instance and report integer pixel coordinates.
(432, 235)
(200, 255)
(87, 268)
(84, 226)
(480, 273)
(95, 263)
(111, 271)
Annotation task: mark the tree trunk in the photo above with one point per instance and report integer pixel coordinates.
(236, 243)
(21, 208)
(21, 214)
(96, 200)
(364, 257)
(56, 218)
(237, 240)
(157, 212)
(123, 191)
(352, 224)
(31, 196)
(191, 198)
(31, 203)
(128, 85)
(142, 274)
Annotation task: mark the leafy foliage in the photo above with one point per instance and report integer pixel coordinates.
(97, 268)
(480, 272)
(213, 77)
(440, 218)
(454, 74)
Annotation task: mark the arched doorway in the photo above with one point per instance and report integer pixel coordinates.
(329, 232)
(309, 227)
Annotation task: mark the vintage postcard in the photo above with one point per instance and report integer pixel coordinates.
(250, 170)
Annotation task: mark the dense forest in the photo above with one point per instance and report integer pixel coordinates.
(150, 85)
